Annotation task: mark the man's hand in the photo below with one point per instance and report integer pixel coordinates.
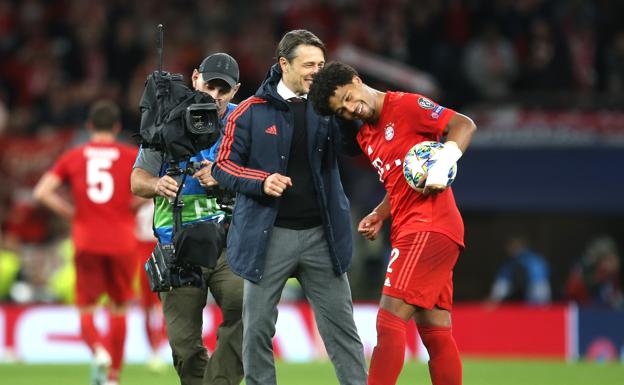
(370, 226)
(166, 187)
(204, 175)
(437, 175)
(275, 184)
(434, 189)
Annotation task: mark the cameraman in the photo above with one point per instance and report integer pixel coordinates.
(217, 76)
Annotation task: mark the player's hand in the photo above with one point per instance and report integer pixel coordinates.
(166, 187)
(275, 184)
(370, 226)
(433, 189)
(204, 176)
(430, 189)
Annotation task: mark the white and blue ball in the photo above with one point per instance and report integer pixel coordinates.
(417, 162)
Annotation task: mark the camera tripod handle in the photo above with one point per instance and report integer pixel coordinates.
(159, 46)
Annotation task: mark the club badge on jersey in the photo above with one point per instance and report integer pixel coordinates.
(389, 132)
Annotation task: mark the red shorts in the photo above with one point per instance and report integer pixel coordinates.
(146, 296)
(102, 274)
(420, 270)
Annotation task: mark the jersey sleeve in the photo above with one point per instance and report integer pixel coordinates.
(61, 167)
(427, 115)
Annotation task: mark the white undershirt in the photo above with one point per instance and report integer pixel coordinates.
(286, 93)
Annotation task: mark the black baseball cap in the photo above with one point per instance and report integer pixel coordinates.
(220, 66)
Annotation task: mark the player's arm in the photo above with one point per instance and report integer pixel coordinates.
(46, 192)
(459, 131)
(371, 224)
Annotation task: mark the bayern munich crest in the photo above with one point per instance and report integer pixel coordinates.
(389, 132)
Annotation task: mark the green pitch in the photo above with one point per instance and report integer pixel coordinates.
(476, 372)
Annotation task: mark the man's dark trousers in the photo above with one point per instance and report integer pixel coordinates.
(183, 309)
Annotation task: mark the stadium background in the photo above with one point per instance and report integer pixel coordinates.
(544, 80)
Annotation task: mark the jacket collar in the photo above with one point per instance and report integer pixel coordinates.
(268, 88)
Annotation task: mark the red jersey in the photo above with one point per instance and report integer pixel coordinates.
(407, 119)
(99, 177)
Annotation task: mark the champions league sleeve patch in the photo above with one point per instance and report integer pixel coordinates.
(426, 103)
(435, 114)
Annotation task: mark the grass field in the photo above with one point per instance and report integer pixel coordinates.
(476, 372)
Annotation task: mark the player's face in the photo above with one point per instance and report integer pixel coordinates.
(220, 91)
(298, 73)
(353, 101)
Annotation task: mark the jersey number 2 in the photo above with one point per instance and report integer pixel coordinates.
(100, 183)
(394, 254)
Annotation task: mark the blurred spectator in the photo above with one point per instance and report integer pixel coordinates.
(524, 276)
(595, 279)
(490, 64)
(32, 284)
(547, 64)
(578, 26)
(9, 269)
(615, 65)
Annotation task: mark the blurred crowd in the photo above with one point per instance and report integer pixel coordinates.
(58, 56)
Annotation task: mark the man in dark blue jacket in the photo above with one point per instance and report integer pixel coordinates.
(291, 217)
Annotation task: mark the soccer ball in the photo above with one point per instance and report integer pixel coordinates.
(417, 162)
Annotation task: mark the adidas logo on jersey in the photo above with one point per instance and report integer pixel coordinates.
(271, 130)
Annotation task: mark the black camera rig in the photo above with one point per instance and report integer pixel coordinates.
(181, 122)
(175, 119)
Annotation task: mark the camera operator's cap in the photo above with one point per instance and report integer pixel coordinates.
(220, 66)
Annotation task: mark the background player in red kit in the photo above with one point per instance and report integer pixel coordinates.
(103, 222)
(427, 230)
(154, 323)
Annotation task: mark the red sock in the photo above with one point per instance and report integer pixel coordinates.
(445, 365)
(117, 341)
(389, 354)
(88, 331)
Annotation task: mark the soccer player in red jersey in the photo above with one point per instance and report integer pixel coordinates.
(103, 223)
(427, 232)
(153, 320)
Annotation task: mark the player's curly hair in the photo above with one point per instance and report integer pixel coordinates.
(330, 77)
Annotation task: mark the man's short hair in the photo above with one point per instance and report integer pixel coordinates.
(293, 39)
(330, 77)
(103, 115)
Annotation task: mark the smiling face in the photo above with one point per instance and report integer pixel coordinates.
(298, 73)
(354, 101)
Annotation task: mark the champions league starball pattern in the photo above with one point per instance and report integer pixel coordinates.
(417, 162)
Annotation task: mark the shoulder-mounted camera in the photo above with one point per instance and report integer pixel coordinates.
(175, 119)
